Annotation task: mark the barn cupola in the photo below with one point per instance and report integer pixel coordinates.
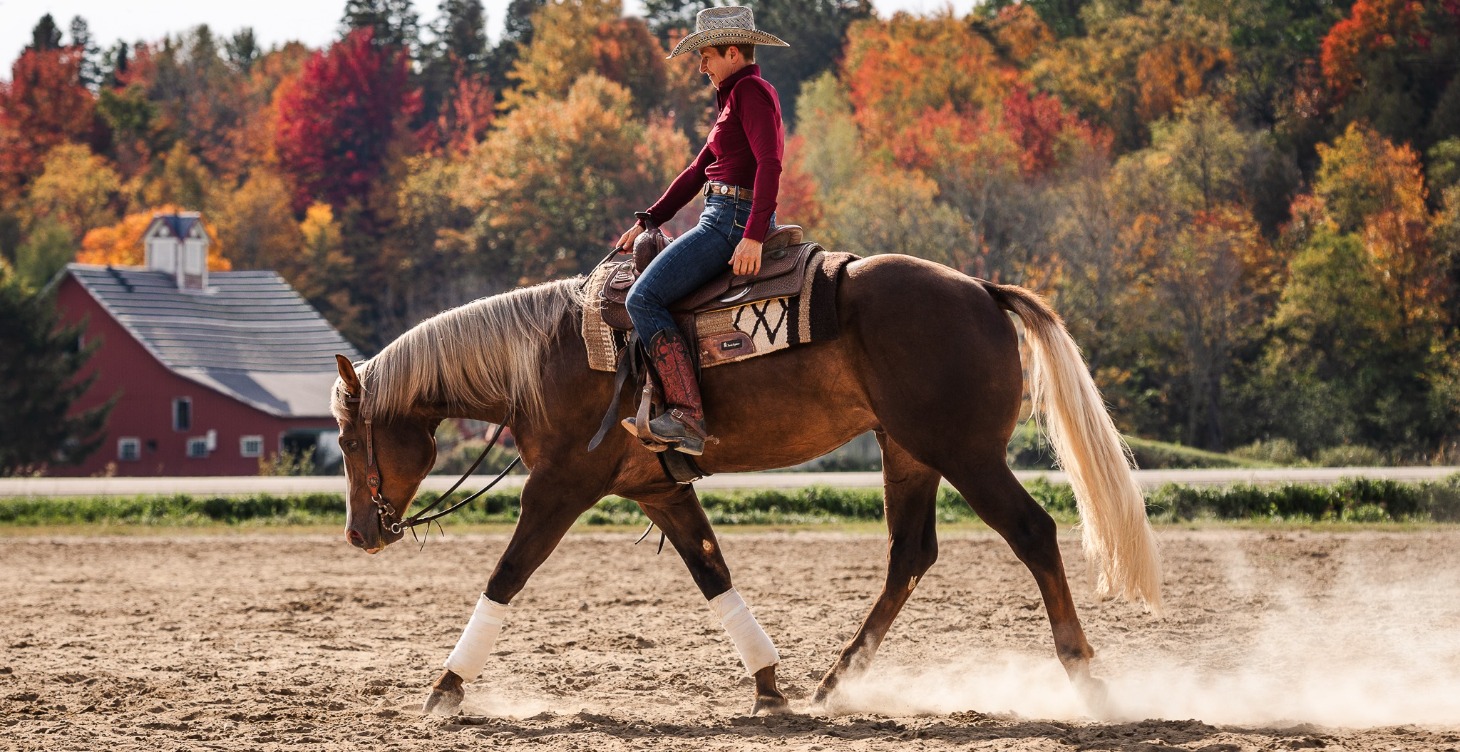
(178, 245)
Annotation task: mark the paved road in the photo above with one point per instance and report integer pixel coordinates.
(227, 486)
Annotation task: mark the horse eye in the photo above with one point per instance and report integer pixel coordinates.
(353, 445)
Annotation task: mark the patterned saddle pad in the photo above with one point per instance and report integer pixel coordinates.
(735, 332)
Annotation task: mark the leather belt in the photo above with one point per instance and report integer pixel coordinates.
(716, 188)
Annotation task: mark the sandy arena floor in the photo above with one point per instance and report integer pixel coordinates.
(1274, 641)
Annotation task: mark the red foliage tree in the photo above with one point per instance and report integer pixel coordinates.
(42, 105)
(1038, 125)
(343, 119)
(1370, 25)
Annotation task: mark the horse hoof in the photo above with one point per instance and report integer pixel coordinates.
(771, 705)
(443, 702)
(1096, 697)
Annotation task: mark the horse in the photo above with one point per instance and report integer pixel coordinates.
(927, 358)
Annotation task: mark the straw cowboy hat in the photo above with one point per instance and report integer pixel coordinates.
(731, 25)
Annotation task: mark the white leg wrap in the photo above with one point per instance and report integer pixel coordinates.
(477, 640)
(756, 650)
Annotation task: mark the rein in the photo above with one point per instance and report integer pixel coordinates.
(385, 511)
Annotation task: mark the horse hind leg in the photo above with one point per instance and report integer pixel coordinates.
(1001, 501)
(911, 490)
(683, 521)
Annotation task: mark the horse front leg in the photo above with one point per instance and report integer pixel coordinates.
(683, 521)
(548, 509)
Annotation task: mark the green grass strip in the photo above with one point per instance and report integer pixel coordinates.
(1350, 500)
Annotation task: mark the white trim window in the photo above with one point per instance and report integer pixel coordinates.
(251, 446)
(129, 449)
(182, 413)
(198, 447)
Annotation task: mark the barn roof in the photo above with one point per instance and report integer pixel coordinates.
(249, 335)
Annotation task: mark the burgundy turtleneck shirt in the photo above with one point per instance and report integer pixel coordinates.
(744, 148)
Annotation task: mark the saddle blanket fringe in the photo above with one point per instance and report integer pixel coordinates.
(745, 331)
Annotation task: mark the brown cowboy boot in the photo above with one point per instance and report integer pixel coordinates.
(682, 424)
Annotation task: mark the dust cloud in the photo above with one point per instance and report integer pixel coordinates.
(1366, 643)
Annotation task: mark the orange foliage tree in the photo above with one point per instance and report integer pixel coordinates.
(121, 244)
(897, 70)
(1175, 71)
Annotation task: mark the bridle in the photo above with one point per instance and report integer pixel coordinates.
(385, 511)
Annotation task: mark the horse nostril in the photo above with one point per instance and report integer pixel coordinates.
(356, 539)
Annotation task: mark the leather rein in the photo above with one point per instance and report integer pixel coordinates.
(385, 511)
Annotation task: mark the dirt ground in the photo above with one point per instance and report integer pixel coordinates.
(1273, 640)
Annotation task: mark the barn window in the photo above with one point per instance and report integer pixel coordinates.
(129, 449)
(251, 446)
(182, 413)
(198, 447)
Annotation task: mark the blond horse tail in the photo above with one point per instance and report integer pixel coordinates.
(1118, 539)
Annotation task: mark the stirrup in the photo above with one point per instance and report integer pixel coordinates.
(680, 432)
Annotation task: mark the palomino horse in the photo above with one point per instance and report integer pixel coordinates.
(927, 358)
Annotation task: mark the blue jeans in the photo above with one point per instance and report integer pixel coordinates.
(693, 259)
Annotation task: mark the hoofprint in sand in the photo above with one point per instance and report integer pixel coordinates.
(1273, 640)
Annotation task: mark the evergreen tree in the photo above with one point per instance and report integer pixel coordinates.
(459, 49)
(114, 65)
(395, 23)
(664, 16)
(84, 43)
(463, 33)
(39, 384)
(46, 35)
(242, 49)
(516, 35)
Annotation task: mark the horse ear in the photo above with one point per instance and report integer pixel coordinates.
(347, 374)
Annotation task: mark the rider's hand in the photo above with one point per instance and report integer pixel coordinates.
(746, 261)
(626, 241)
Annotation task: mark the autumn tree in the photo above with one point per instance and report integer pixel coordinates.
(1196, 251)
(40, 381)
(896, 71)
(1334, 373)
(557, 180)
(438, 264)
(1376, 189)
(255, 224)
(1173, 52)
(76, 189)
(180, 90)
(41, 106)
(342, 121)
(1393, 63)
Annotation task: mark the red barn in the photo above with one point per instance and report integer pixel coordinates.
(213, 371)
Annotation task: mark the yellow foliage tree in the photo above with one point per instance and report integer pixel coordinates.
(75, 190)
(1376, 188)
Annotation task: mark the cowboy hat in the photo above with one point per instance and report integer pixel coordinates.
(734, 24)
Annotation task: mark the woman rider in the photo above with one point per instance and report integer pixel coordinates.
(739, 169)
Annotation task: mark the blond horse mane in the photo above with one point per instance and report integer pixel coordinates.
(484, 354)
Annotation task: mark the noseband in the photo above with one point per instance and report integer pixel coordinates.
(385, 511)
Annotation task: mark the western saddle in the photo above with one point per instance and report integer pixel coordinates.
(782, 268)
